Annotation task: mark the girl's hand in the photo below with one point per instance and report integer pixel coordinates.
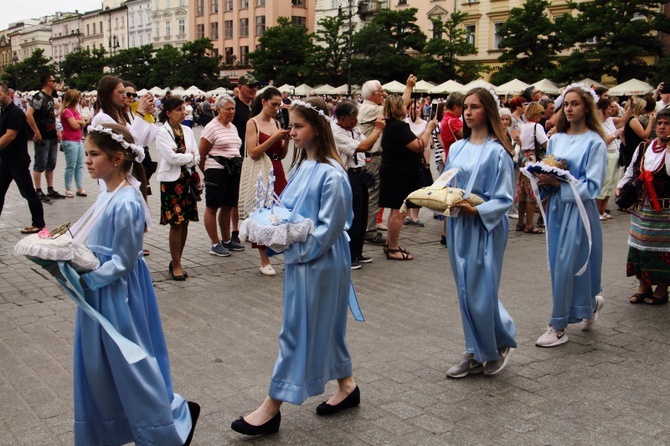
(465, 208)
(146, 104)
(547, 180)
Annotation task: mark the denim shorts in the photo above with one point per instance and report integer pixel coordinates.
(46, 154)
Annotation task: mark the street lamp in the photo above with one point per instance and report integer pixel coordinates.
(15, 59)
(349, 41)
(113, 45)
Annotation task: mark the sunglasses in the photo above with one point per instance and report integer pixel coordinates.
(131, 95)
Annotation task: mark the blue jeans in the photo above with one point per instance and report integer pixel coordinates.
(74, 162)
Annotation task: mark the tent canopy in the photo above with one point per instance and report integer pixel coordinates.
(547, 86)
(446, 87)
(422, 86)
(303, 90)
(590, 83)
(475, 84)
(633, 87)
(394, 87)
(515, 86)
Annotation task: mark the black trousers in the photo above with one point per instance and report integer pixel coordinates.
(20, 173)
(360, 206)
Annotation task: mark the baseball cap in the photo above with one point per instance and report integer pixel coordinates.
(248, 79)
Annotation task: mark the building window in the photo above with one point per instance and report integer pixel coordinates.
(244, 4)
(298, 21)
(229, 5)
(228, 57)
(157, 31)
(123, 22)
(496, 35)
(167, 28)
(244, 51)
(88, 30)
(215, 30)
(470, 33)
(215, 53)
(402, 2)
(181, 24)
(298, 3)
(215, 6)
(132, 20)
(201, 7)
(244, 27)
(260, 2)
(228, 25)
(94, 28)
(260, 24)
(200, 31)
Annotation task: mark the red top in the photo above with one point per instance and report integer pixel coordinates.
(275, 152)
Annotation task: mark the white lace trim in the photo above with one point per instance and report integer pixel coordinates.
(277, 237)
(60, 249)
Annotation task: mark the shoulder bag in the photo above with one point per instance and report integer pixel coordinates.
(251, 168)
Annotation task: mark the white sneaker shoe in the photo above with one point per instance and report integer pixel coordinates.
(603, 217)
(268, 270)
(552, 338)
(588, 323)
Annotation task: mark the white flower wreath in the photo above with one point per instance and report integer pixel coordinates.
(138, 151)
(581, 86)
(493, 94)
(310, 106)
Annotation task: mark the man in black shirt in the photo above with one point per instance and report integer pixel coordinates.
(14, 159)
(42, 121)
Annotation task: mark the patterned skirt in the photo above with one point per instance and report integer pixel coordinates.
(177, 204)
(649, 246)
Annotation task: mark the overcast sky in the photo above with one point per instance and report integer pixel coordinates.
(17, 10)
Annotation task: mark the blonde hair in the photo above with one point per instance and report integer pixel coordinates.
(324, 142)
(592, 118)
(534, 109)
(394, 107)
(494, 124)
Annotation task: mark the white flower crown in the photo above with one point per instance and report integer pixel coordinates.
(493, 94)
(310, 106)
(138, 151)
(559, 101)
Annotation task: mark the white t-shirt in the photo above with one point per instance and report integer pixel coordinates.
(527, 142)
(610, 129)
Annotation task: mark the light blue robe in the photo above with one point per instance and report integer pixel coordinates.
(317, 282)
(115, 402)
(574, 296)
(477, 245)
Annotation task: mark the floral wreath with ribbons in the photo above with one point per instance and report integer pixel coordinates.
(559, 101)
(138, 151)
(304, 104)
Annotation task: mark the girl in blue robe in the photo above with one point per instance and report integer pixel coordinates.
(580, 141)
(317, 280)
(477, 236)
(116, 402)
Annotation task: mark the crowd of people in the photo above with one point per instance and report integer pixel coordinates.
(353, 159)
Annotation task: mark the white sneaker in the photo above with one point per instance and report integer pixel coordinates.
(588, 323)
(268, 270)
(603, 217)
(552, 338)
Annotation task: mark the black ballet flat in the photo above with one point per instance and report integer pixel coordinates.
(270, 427)
(352, 400)
(194, 408)
(185, 275)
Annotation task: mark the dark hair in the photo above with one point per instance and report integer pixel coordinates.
(111, 147)
(169, 104)
(494, 124)
(604, 103)
(106, 88)
(454, 100)
(664, 112)
(601, 90)
(439, 112)
(412, 110)
(546, 101)
(345, 108)
(3, 87)
(325, 142)
(651, 105)
(128, 84)
(44, 78)
(528, 93)
(266, 95)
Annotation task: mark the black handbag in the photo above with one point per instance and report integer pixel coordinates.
(425, 177)
(627, 195)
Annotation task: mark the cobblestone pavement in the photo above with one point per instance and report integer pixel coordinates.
(608, 386)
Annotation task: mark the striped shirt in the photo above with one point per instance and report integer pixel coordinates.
(224, 140)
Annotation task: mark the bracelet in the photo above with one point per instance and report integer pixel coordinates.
(139, 113)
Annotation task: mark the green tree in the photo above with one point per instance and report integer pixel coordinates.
(134, 65)
(328, 60)
(611, 35)
(440, 57)
(282, 52)
(529, 43)
(382, 47)
(199, 67)
(82, 69)
(165, 67)
(25, 75)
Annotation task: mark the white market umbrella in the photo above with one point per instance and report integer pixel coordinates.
(192, 90)
(590, 83)
(218, 91)
(303, 90)
(157, 91)
(446, 87)
(324, 89)
(633, 87)
(286, 88)
(422, 86)
(394, 87)
(178, 90)
(477, 83)
(547, 86)
(515, 86)
(344, 89)
(142, 92)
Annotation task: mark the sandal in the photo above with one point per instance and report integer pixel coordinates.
(69, 194)
(404, 254)
(30, 230)
(82, 193)
(653, 300)
(533, 230)
(639, 298)
(520, 228)
(145, 252)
